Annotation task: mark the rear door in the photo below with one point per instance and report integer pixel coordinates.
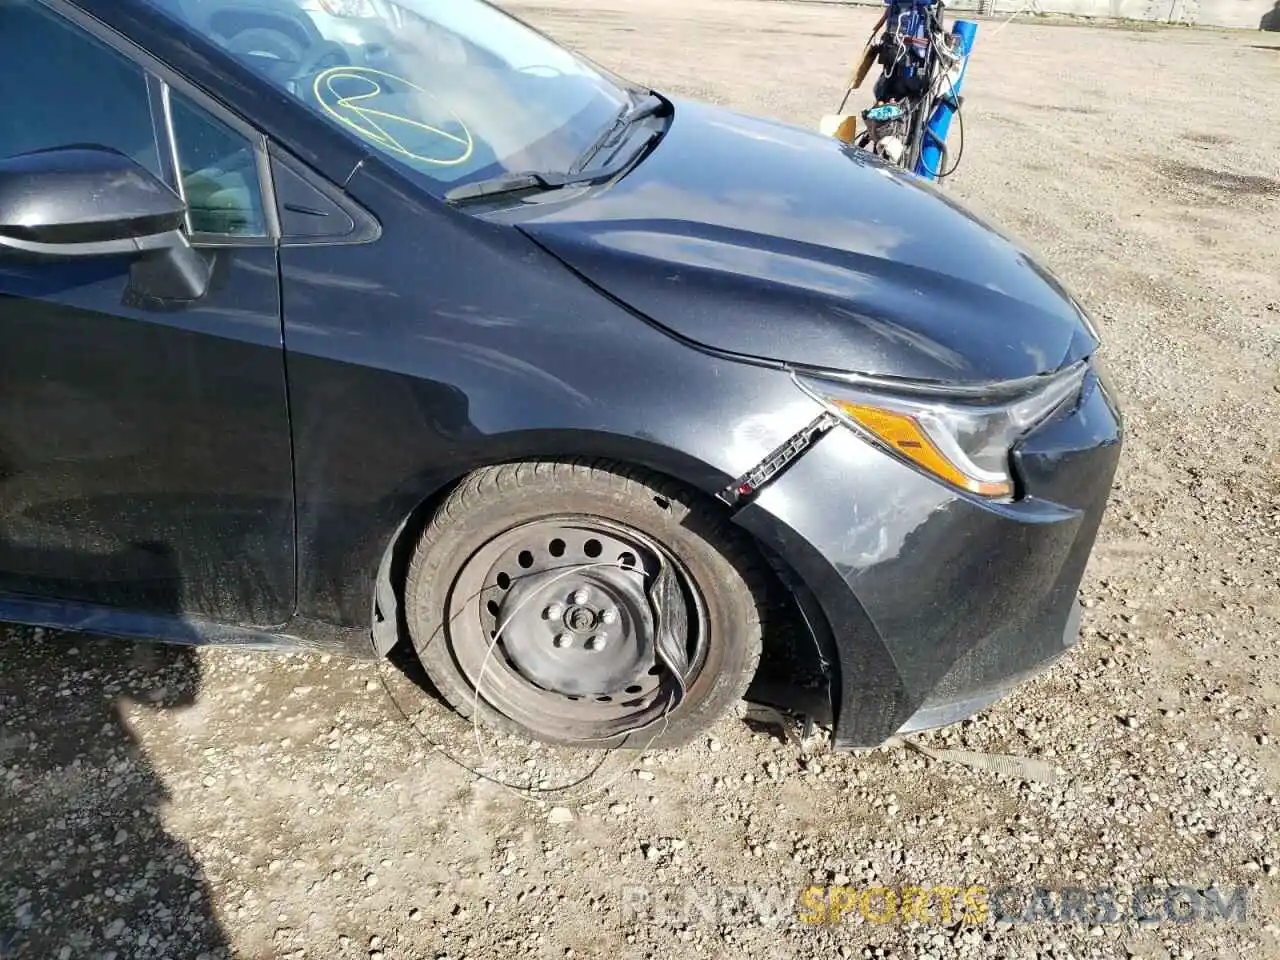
(145, 459)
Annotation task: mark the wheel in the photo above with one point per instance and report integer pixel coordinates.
(539, 580)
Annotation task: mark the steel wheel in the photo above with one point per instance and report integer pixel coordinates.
(531, 599)
(556, 614)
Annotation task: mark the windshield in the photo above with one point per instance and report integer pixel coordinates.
(457, 90)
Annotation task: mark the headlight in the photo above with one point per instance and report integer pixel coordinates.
(963, 441)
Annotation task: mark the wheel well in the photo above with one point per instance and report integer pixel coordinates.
(797, 639)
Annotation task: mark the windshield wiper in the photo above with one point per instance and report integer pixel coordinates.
(534, 181)
(504, 183)
(648, 106)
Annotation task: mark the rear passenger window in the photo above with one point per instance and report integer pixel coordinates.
(59, 86)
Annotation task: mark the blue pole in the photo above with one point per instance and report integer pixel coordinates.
(935, 134)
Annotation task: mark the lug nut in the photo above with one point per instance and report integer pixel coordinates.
(553, 612)
(609, 615)
(596, 643)
(580, 597)
(563, 640)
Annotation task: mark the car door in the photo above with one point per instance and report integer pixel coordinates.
(145, 459)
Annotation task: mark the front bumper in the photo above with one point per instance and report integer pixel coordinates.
(938, 603)
(966, 691)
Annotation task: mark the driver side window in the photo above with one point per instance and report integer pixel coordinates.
(219, 170)
(61, 87)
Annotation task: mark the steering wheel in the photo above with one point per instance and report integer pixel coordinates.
(281, 56)
(267, 49)
(320, 56)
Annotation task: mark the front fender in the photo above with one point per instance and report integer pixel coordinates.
(450, 343)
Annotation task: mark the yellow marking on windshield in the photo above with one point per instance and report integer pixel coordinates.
(354, 111)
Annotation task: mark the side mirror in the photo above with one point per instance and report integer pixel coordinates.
(75, 202)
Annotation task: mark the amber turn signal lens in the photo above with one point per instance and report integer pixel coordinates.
(903, 435)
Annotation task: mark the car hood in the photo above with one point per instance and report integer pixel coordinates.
(758, 238)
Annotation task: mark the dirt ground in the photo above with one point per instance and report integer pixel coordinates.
(159, 802)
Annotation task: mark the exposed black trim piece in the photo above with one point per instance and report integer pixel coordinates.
(385, 632)
(363, 228)
(751, 482)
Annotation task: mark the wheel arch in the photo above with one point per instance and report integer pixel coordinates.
(433, 486)
(787, 587)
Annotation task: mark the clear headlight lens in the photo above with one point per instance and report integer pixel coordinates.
(963, 442)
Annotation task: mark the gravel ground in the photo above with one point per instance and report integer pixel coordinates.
(161, 802)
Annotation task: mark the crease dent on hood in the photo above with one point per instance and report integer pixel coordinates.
(760, 239)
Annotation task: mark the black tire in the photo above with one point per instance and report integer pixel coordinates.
(720, 561)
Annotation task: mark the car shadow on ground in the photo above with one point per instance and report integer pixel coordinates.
(87, 867)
